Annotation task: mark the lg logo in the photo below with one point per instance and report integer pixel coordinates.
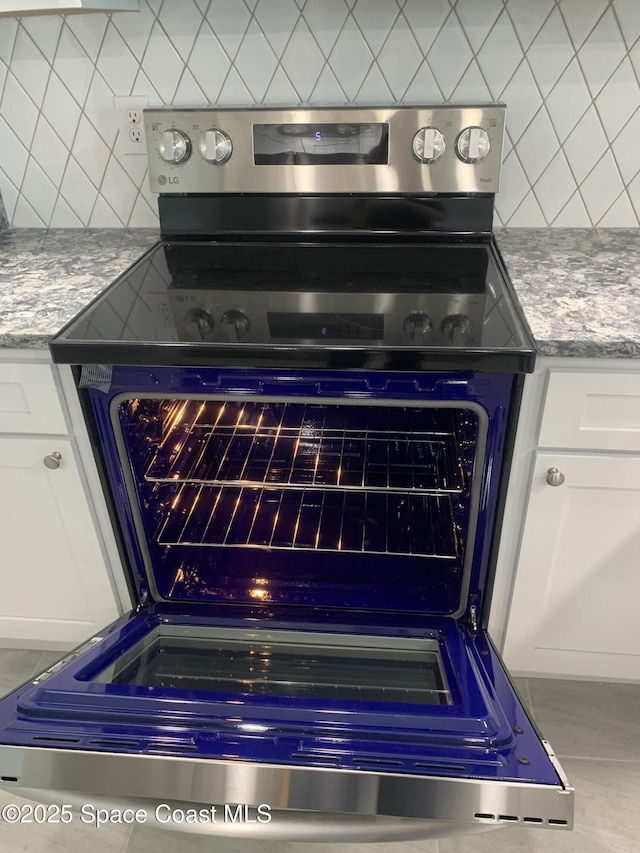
(163, 180)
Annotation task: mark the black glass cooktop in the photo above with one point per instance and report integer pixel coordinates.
(387, 305)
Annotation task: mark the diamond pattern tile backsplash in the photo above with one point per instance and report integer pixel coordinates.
(568, 70)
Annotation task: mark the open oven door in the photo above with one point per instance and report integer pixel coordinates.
(379, 733)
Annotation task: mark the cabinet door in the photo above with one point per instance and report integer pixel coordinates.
(55, 587)
(575, 602)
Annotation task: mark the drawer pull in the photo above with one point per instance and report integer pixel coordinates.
(52, 461)
(555, 477)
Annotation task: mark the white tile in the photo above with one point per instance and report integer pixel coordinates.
(181, 22)
(513, 187)
(620, 215)
(116, 63)
(134, 28)
(29, 66)
(537, 145)
(523, 100)
(63, 216)
(24, 216)
(619, 99)
(351, 58)
(426, 20)
(601, 187)
(634, 194)
(450, 42)
(528, 214)
(400, 58)
(303, 61)
(103, 216)
(376, 19)
(281, 91)
(19, 111)
(528, 18)
(143, 86)
(162, 64)
(8, 32)
(628, 12)
(555, 187)
(78, 191)
(14, 155)
(573, 215)
(328, 91)
(255, 62)
(472, 87)
(423, 88)
(602, 52)
(626, 149)
(45, 31)
(550, 53)
(209, 64)
(142, 215)
(188, 93)
(568, 100)
(581, 17)
(38, 190)
(477, 18)
(585, 145)
(90, 151)
(234, 92)
(119, 190)
(10, 194)
(3, 74)
(100, 111)
(500, 55)
(229, 21)
(89, 30)
(73, 66)
(374, 90)
(49, 151)
(277, 19)
(325, 18)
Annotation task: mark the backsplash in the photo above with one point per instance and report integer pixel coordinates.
(4, 220)
(568, 71)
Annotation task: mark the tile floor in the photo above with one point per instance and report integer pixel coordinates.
(594, 728)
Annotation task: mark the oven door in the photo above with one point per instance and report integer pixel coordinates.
(382, 732)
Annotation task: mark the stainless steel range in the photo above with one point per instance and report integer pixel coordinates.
(302, 402)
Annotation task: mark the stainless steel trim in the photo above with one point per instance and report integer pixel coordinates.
(402, 174)
(467, 801)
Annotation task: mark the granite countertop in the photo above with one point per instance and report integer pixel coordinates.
(580, 288)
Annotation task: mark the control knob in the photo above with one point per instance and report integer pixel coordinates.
(174, 146)
(199, 324)
(234, 325)
(216, 146)
(417, 327)
(473, 144)
(456, 328)
(428, 145)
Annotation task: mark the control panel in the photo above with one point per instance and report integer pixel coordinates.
(445, 148)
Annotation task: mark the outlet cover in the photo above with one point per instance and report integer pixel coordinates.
(131, 138)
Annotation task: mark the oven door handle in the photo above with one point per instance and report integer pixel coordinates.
(280, 825)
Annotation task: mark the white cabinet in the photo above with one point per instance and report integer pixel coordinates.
(56, 589)
(574, 608)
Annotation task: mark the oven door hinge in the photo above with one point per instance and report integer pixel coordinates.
(144, 600)
(473, 619)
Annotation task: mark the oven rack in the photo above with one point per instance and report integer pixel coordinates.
(272, 518)
(310, 454)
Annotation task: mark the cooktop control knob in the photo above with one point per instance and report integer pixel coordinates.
(216, 146)
(473, 144)
(174, 146)
(234, 325)
(417, 327)
(428, 145)
(198, 324)
(456, 329)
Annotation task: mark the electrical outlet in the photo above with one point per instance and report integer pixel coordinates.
(131, 138)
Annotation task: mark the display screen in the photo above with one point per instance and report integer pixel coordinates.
(316, 144)
(325, 326)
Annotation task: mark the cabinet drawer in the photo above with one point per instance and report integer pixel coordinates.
(596, 411)
(29, 400)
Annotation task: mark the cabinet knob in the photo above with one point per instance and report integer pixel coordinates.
(52, 461)
(555, 477)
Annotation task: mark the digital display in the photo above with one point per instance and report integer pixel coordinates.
(325, 326)
(316, 144)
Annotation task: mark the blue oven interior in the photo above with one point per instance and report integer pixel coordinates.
(308, 546)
